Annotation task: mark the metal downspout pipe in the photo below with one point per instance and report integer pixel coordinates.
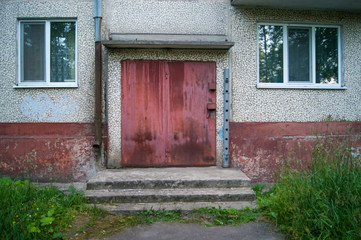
(97, 19)
(98, 75)
(227, 87)
(226, 110)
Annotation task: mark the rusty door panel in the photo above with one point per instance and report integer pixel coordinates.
(165, 115)
(142, 115)
(190, 134)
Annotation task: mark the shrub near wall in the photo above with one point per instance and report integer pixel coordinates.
(322, 199)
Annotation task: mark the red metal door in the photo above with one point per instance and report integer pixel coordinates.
(168, 113)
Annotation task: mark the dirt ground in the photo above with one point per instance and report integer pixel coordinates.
(112, 227)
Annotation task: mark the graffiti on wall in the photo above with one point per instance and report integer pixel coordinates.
(43, 108)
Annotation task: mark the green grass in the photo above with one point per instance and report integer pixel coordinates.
(322, 199)
(226, 216)
(99, 226)
(28, 212)
(208, 216)
(151, 215)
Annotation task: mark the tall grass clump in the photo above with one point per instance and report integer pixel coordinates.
(28, 212)
(322, 198)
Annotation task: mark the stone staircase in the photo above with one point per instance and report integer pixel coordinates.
(127, 190)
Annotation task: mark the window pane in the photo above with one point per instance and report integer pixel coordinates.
(33, 52)
(299, 57)
(270, 40)
(62, 51)
(326, 55)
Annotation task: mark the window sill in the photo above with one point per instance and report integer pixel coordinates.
(299, 86)
(50, 85)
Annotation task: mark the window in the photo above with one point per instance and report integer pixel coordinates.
(47, 53)
(299, 56)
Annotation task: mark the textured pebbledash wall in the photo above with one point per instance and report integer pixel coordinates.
(272, 105)
(47, 134)
(53, 104)
(166, 16)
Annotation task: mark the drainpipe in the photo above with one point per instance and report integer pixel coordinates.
(98, 75)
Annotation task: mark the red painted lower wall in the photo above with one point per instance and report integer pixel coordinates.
(259, 148)
(64, 152)
(59, 152)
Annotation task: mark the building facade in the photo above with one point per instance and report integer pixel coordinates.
(172, 83)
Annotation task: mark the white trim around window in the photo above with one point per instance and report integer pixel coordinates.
(37, 53)
(281, 55)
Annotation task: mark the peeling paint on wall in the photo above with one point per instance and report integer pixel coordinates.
(43, 108)
(260, 149)
(61, 152)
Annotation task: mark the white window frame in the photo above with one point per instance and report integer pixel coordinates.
(44, 84)
(312, 83)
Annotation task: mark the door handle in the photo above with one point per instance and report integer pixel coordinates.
(212, 86)
(211, 107)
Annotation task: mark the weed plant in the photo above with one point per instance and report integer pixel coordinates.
(148, 216)
(209, 216)
(322, 199)
(28, 212)
(226, 216)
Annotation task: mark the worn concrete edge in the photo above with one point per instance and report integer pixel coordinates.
(169, 191)
(168, 44)
(167, 37)
(223, 195)
(151, 184)
(185, 207)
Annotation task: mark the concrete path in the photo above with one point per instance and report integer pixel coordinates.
(182, 231)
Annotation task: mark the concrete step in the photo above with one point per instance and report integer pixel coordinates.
(170, 195)
(131, 208)
(160, 178)
(134, 189)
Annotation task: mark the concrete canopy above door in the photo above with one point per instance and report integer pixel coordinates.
(168, 41)
(168, 113)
